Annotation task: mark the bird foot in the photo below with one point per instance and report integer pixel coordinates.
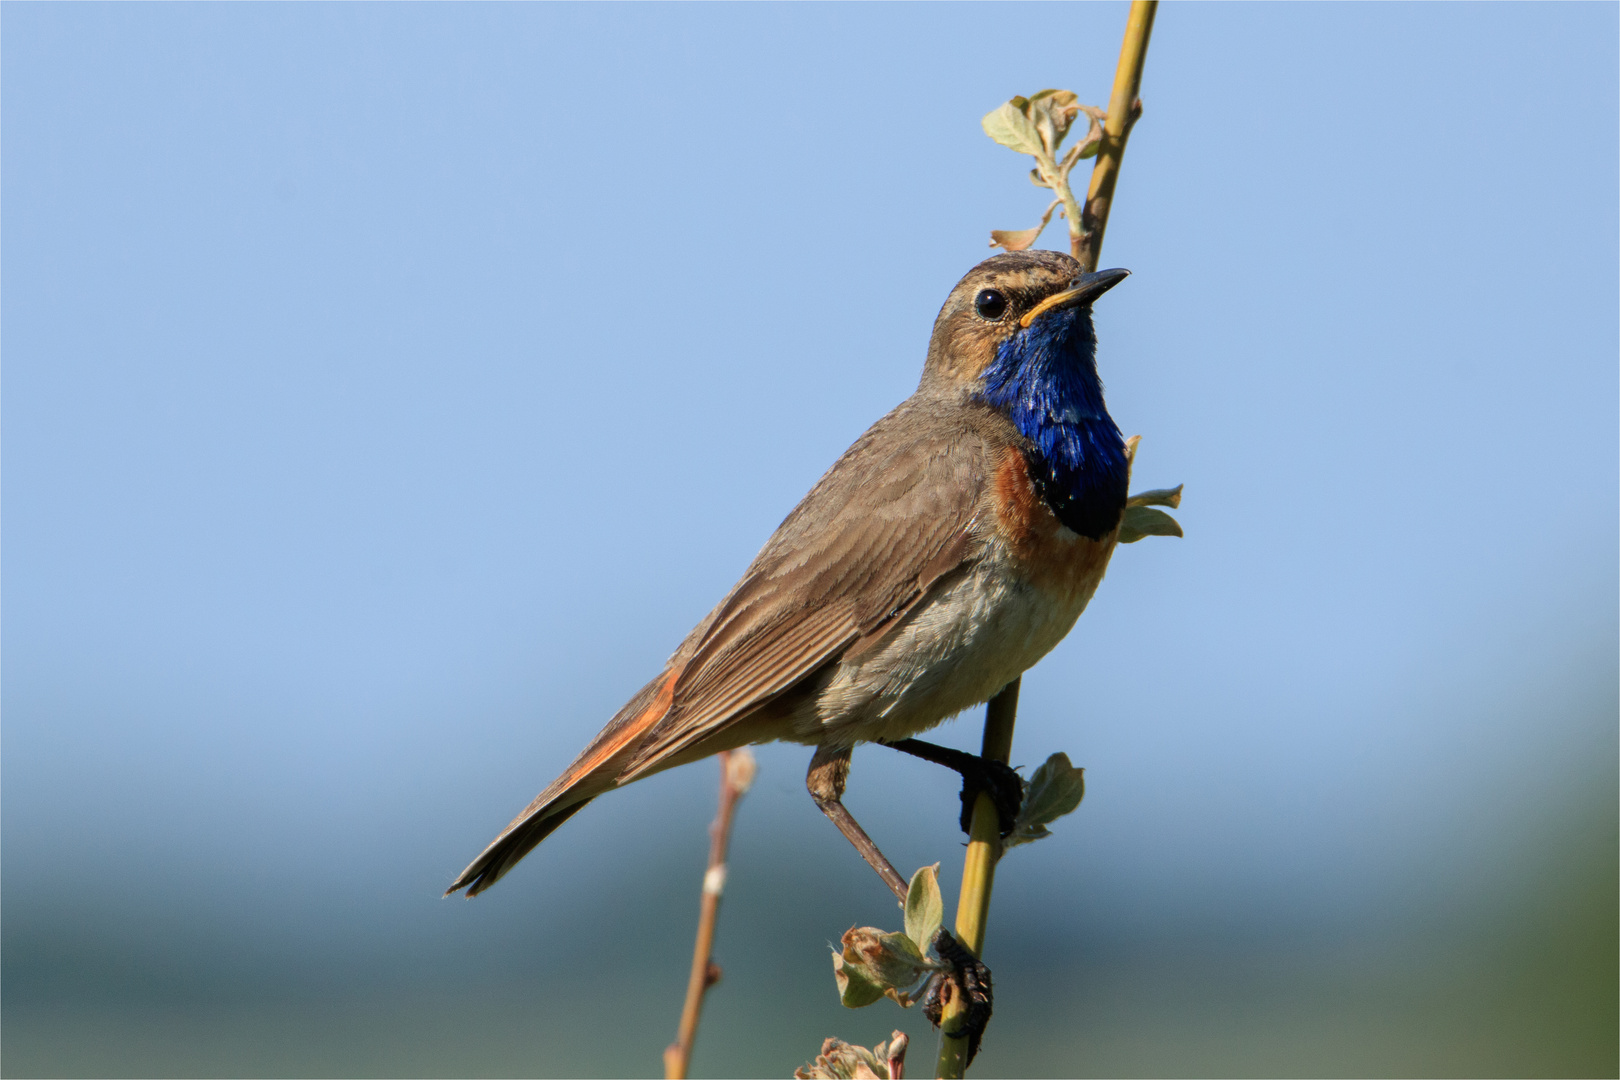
(996, 779)
(966, 980)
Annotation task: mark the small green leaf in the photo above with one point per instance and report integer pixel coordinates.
(855, 989)
(1143, 521)
(1170, 497)
(925, 908)
(1011, 128)
(901, 952)
(1056, 789)
(895, 961)
(874, 963)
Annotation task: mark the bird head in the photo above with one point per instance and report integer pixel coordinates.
(1022, 302)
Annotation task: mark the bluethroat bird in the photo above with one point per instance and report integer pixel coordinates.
(943, 555)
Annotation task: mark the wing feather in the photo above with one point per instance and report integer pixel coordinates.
(891, 517)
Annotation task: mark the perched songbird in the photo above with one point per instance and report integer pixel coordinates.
(944, 554)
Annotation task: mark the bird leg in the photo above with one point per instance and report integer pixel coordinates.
(829, 769)
(994, 778)
(965, 975)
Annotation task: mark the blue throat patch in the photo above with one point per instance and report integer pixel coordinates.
(1045, 379)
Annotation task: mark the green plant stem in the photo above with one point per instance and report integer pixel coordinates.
(978, 874)
(1123, 109)
(984, 840)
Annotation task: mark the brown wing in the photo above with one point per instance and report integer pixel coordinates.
(889, 519)
(892, 517)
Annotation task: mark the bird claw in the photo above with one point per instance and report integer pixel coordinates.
(997, 780)
(966, 979)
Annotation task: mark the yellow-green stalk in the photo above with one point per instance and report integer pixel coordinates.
(984, 840)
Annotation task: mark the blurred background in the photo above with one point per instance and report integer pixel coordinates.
(388, 389)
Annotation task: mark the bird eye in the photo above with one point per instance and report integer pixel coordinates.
(990, 304)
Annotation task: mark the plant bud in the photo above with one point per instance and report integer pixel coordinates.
(839, 1060)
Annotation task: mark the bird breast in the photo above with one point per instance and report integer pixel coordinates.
(1041, 549)
(980, 628)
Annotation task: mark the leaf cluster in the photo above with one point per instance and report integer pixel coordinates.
(1142, 520)
(840, 1060)
(875, 964)
(1037, 126)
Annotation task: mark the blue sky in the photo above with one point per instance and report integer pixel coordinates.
(389, 389)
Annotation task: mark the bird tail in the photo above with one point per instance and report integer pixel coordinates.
(516, 841)
(595, 770)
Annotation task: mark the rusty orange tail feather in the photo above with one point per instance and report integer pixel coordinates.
(594, 771)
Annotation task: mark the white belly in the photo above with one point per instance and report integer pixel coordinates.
(953, 651)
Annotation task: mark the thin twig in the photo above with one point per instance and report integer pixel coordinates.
(984, 839)
(736, 774)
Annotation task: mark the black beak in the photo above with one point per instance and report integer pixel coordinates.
(1082, 290)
